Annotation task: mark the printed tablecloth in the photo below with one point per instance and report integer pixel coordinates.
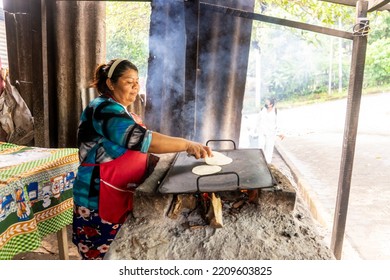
(35, 195)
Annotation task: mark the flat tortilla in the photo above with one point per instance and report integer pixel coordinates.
(206, 169)
(218, 159)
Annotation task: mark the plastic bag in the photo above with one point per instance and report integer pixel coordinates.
(16, 121)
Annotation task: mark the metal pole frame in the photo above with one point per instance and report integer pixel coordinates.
(350, 129)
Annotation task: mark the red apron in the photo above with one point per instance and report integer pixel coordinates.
(118, 180)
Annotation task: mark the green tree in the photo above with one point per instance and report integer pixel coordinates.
(299, 63)
(127, 26)
(377, 70)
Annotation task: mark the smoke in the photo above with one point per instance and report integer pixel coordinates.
(165, 84)
(211, 107)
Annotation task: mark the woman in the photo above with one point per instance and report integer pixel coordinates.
(113, 151)
(268, 129)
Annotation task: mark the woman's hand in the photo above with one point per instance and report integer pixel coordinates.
(198, 150)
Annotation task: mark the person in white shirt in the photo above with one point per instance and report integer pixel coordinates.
(268, 128)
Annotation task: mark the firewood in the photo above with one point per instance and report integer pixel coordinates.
(176, 207)
(196, 227)
(214, 214)
(181, 202)
(253, 196)
(238, 204)
(188, 201)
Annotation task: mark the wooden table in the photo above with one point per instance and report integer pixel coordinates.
(36, 197)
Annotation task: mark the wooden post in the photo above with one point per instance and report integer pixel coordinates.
(62, 239)
(350, 131)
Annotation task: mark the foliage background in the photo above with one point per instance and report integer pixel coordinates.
(294, 64)
(127, 26)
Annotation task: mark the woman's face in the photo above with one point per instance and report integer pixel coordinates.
(268, 103)
(126, 89)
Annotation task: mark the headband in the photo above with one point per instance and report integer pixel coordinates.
(113, 66)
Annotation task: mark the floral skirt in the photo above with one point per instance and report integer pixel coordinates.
(91, 234)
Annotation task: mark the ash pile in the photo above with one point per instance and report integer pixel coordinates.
(264, 224)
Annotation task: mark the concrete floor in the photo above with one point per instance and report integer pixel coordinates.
(313, 147)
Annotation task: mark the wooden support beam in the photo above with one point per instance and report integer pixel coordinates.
(279, 21)
(371, 8)
(374, 5)
(350, 132)
(351, 3)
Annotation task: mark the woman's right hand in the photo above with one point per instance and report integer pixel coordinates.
(198, 150)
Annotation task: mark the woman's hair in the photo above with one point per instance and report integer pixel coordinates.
(102, 70)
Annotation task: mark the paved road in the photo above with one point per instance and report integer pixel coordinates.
(313, 145)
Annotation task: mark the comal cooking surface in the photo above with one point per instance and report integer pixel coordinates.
(248, 170)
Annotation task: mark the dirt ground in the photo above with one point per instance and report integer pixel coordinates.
(49, 249)
(269, 231)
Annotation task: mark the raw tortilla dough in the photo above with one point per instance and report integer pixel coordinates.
(206, 169)
(218, 159)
